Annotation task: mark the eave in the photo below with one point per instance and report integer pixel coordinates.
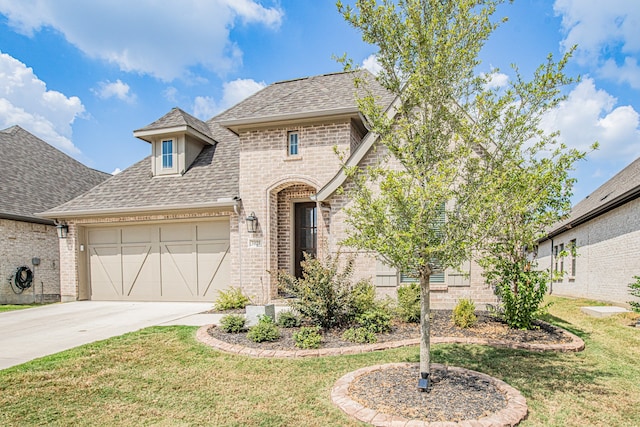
(238, 125)
(141, 210)
(149, 134)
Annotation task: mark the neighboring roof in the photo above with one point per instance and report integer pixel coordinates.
(176, 120)
(622, 188)
(36, 176)
(309, 97)
(210, 181)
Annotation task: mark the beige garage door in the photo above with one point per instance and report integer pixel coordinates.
(161, 262)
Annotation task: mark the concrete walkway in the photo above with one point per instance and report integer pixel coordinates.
(35, 332)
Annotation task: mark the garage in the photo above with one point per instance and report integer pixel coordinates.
(187, 261)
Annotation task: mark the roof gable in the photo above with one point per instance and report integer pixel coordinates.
(176, 120)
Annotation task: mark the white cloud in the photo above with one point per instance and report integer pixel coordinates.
(170, 94)
(116, 89)
(25, 101)
(205, 107)
(590, 115)
(371, 63)
(143, 37)
(603, 29)
(116, 171)
(497, 80)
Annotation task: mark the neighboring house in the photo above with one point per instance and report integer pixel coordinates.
(232, 201)
(596, 250)
(34, 177)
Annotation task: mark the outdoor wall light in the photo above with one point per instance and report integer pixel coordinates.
(63, 230)
(252, 223)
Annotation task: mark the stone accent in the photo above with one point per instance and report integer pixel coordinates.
(515, 411)
(20, 242)
(202, 335)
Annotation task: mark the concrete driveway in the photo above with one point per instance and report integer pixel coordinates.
(35, 332)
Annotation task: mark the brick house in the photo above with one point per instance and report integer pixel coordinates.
(231, 201)
(35, 177)
(600, 241)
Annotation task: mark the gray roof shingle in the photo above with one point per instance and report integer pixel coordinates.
(211, 177)
(34, 176)
(306, 95)
(624, 186)
(215, 173)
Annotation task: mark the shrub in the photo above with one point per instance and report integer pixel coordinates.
(231, 299)
(359, 335)
(634, 290)
(287, 319)
(520, 290)
(463, 313)
(308, 337)
(376, 320)
(265, 330)
(232, 323)
(363, 298)
(409, 303)
(324, 294)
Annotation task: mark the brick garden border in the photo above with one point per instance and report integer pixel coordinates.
(515, 411)
(576, 344)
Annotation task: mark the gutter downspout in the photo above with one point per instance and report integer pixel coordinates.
(236, 210)
(551, 268)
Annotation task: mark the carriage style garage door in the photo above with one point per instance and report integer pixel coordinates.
(162, 262)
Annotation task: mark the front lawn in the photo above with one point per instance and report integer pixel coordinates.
(163, 376)
(10, 307)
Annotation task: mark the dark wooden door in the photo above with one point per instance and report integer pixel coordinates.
(305, 233)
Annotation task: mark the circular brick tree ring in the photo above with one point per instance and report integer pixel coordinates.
(511, 415)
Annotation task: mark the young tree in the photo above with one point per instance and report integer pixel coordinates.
(443, 132)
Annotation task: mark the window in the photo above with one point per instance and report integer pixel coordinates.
(167, 154)
(411, 278)
(574, 255)
(561, 254)
(293, 143)
(555, 259)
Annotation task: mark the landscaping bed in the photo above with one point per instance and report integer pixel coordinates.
(487, 327)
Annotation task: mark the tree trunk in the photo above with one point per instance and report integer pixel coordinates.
(425, 334)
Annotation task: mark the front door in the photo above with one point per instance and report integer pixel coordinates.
(305, 234)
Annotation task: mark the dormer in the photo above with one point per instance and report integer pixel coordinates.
(176, 140)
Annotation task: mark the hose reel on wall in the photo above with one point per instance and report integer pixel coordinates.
(22, 279)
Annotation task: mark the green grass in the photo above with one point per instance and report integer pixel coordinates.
(10, 307)
(162, 376)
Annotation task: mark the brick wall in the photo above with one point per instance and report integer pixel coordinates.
(20, 242)
(270, 180)
(608, 256)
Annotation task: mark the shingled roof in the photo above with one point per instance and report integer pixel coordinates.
(36, 176)
(177, 119)
(621, 189)
(213, 179)
(311, 96)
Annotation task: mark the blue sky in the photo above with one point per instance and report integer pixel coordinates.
(82, 75)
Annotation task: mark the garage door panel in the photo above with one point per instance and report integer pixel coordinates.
(172, 262)
(106, 272)
(214, 265)
(217, 230)
(139, 265)
(138, 234)
(178, 271)
(176, 233)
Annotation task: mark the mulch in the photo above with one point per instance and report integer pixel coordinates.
(488, 326)
(453, 396)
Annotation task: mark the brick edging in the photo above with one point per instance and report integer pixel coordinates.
(515, 411)
(576, 344)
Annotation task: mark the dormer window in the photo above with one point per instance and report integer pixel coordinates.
(167, 154)
(293, 143)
